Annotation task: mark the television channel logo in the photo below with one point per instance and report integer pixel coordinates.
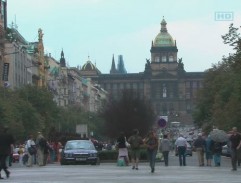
(224, 16)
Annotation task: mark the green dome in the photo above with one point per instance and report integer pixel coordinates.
(163, 39)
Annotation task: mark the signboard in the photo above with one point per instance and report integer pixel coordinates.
(5, 71)
(82, 129)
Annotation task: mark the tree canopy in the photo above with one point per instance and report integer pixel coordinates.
(128, 113)
(219, 101)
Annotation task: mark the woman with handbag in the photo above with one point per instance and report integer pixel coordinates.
(122, 144)
(31, 150)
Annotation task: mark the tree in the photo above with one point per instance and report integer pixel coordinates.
(126, 114)
(219, 102)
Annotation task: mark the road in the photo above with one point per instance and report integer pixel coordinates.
(110, 173)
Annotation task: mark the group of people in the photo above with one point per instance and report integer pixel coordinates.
(150, 142)
(34, 151)
(203, 146)
(40, 151)
(212, 149)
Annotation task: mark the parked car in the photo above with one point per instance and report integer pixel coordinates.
(79, 152)
(188, 150)
(226, 151)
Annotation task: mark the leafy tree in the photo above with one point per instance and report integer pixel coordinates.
(42, 101)
(219, 102)
(126, 114)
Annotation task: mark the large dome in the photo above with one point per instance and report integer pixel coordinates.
(163, 39)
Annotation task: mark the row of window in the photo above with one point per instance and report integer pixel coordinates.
(164, 59)
(121, 86)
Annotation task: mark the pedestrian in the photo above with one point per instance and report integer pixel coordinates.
(122, 148)
(21, 153)
(239, 156)
(40, 145)
(165, 147)
(47, 149)
(208, 151)
(151, 142)
(6, 141)
(52, 152)
(31, 150)
(235, 140)
(135, 142)
(217, 150)
(181, 145)
(199, 146)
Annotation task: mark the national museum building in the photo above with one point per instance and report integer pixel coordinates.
(171, 90)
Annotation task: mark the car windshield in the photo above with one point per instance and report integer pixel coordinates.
(78, 144)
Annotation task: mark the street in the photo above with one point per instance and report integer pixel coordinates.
(110, 173)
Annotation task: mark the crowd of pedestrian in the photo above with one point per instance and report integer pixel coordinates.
(212, 148)
(204, 146)
(40, 151)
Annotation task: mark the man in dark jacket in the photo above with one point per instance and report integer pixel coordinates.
(235, 139)
(6, 140)
(199, 145)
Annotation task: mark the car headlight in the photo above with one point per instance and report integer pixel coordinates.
(93, 155)
(68, 155)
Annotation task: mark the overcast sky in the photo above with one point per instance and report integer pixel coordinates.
(101, 28)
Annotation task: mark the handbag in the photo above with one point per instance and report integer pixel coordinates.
(32, 150)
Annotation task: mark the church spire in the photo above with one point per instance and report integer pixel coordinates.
(113, 68)
(62, 59)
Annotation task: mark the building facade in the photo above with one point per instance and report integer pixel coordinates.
(171, 90)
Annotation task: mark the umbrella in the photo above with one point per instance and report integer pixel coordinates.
(219, 135)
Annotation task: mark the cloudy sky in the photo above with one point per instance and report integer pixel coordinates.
(101, 28)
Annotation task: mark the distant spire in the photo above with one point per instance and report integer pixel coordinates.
(113, 68)
(62, 59)
(163, 25)
(121, 67)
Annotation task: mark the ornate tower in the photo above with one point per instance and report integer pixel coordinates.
(62, 60)
(164, 52)
(41, 61)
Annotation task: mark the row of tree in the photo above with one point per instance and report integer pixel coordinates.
(219, 101)
(31, 109)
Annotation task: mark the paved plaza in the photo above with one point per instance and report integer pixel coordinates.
(110, 173)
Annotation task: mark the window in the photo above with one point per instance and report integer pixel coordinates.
(157, 59)
(164, 58)
(171, 58)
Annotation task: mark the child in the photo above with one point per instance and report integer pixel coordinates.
(21, 153)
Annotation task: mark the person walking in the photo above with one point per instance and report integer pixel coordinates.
(6, 141)
(151, 142)
(199, 145)
(181, 145)
(208, 151)
(235, 140)
(135, 142)
(21, 153)
(165, 147)
(40, 145)
(31, 150)
(217, 150)
(122, 148)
